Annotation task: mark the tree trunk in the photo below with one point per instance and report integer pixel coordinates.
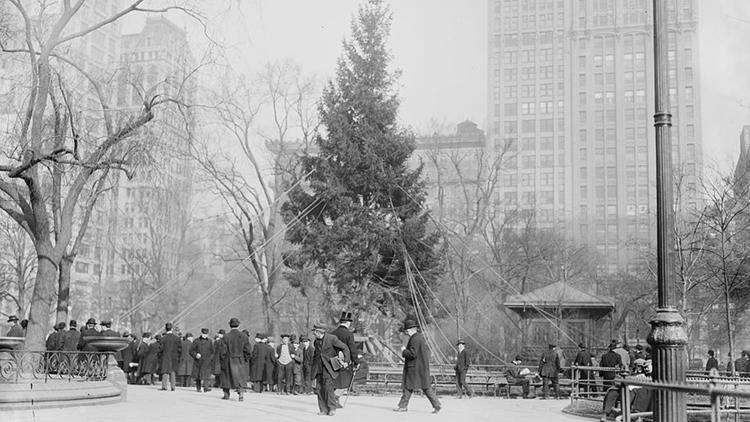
(728, 316)
(63, 288)
(42, 300)
(269, 315)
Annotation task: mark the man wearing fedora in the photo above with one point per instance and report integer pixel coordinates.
(462, 367)
(107, 329)
(416, 373)
(344, 333)
(71, 337)
(169, 357)
(327, 347)
(15, 329)
(234, 358)
(549, 370)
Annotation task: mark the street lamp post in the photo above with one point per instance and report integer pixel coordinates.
(668, 336)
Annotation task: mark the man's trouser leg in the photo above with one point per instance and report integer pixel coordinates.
(405, 396)
(545, 387)
(164, 378)
(556, 386)
(326, 397)
(459, 385)
(432, 397)
(198, 385)
(172, 380)
(289, 378)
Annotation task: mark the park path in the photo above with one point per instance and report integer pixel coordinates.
(148, 404)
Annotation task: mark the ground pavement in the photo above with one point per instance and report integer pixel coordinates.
(148, 404)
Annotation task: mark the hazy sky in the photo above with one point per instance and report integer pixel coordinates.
(441, 48)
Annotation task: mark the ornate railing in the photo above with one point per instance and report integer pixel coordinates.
(23, 365)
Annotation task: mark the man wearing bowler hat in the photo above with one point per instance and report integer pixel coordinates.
(463, 361)
(15, 329)
(416, 373)
(72, 336)
(234, 357)
(202, 352)
(326, 369)
(88, 331)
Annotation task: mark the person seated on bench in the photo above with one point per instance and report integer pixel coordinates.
(517, 376)
(640, 398)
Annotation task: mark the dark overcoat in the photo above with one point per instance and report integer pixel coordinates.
(171, 346)
(416, 373)
(270, 365)
(610, 360)
(345, 375)
(86, 332)
(326, 348)
(53, 341)
(186, 362)
(219, 345)
(234, 359)
(16, 331)
(462, 361)
(128, 356)
(150, 358)
(549, 364)
(70, 340)
(258, 362)
(202, 366)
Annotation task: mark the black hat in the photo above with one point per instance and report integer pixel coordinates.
(346, 317)
(12, 318)
(146, 334)
(638, 347)
(91, 321)
(73, 323)
(168, 326)
(319, 327)
(304, 338)
(126, 334)
(710, 352)
(204, 330)
(285, 335)
(581, 345)
(222, 331)
(189, 334)
(410, 323)
(552, 345)
(518, 358)
(60, 325)
(460, 342)
(234, 323)
(106, 323)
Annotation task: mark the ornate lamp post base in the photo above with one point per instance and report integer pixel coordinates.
(668, 338)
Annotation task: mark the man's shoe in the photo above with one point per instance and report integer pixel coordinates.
(436, 410)
(339, 406)
(400, 409)
(331, 413)
(322, 413)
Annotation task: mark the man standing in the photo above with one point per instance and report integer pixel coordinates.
(624, 355)
(416, 373)
(309, 353)
(462, 367)
(327, 346)
(270, 364)
(344, 333)
(15, 329)
(88, 331)
(72, 337)
(216, 365)
(55, 339)
(202, 351)
(711, 363)
(583, 360)
(611, 359)
(549, 368)
(297, 360)
(185, 368)
(107, 329)
(234, 357)
(171, 346)
(258, 363)
(285, 376)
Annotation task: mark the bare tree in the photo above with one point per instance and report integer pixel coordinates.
(17, 265)
(57, 155)
(281, 95)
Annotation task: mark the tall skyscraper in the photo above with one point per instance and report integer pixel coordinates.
(570, 96)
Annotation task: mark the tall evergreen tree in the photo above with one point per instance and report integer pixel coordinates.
(359, 215)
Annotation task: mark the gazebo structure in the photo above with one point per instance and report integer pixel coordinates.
(561, 314)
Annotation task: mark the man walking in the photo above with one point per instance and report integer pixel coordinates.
(549, 369)
(416, 373)
(234, 357)
(462, 367)
(327, 347)
(171, 346)
(202, 352)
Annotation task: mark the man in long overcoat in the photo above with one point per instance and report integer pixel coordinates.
(258, 363)
(234, 359)
(216, 364)
(71, 337)
(549, 370)
(416, 373)
(610, 360)
(185, 368)
(202, 352)
(171, 346)
(462, 367)
(583, 359)
(269, 366)
(344, 333)
(88, 331)
(307, 363)
(327, 346)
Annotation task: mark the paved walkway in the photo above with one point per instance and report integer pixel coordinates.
(147, 404)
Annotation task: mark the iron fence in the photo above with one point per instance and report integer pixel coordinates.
(590, 382)
(21, 365)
